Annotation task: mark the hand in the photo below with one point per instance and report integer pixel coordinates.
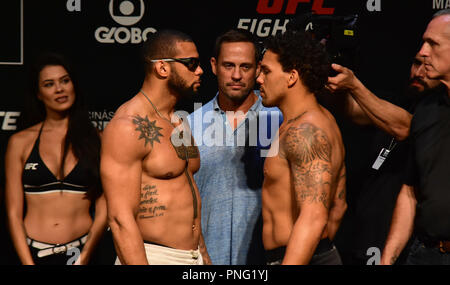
(345, 80)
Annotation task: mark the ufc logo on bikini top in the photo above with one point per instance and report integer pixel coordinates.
(31, 166)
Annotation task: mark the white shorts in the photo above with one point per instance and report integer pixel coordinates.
(162, 255)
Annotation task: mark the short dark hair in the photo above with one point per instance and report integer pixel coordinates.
(298, 50)
(235, 36)
(162, 44)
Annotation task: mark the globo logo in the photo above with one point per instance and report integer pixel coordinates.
(125, 13)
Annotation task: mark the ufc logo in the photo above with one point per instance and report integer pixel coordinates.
(31, 166)
(277, 5)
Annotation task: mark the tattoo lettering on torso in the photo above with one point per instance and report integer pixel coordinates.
(309, 154)
(150, 207)
(148, 130)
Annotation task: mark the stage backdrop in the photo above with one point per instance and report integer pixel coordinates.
(103, 38)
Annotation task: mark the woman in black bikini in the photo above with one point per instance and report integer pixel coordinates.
(52, 171)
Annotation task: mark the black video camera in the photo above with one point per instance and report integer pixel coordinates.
(338, 33)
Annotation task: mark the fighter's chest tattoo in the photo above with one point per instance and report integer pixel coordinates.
(182, 149)
(149, 131)
(184, 152)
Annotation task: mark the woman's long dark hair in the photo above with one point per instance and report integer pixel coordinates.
(81, 135)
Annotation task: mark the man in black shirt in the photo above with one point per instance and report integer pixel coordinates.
(423, 204)
(378, 182)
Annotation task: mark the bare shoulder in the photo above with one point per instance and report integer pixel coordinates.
(308, 150)
(26, 136)
(21, 143)
(131, 131)
(306, 140)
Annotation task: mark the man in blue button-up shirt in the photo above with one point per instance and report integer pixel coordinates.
(233, 133)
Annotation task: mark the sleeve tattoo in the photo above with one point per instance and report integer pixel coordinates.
(309, 155)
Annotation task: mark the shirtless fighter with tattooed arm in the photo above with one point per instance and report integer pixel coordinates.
(304, 181)
(153, 201)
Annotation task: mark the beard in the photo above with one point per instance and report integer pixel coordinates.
(415, 89)
(416, 94)
(179, 86)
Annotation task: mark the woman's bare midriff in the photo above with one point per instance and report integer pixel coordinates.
(57, 217)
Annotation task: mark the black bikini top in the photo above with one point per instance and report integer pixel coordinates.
(38, 179)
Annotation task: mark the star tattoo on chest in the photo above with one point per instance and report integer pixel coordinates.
(148, 130)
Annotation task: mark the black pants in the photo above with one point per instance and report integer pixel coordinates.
(422, 254)
(325, 254)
